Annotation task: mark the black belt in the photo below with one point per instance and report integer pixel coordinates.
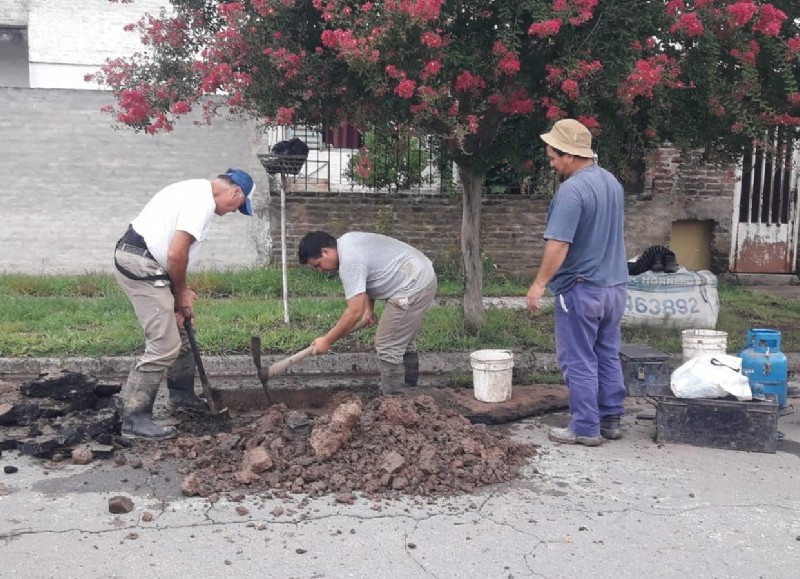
(134, 243)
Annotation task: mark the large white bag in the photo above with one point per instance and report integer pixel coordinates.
(711, 376)
(686, 299)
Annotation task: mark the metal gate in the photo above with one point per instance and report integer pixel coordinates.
(765, 211)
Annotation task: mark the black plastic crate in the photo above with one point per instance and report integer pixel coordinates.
(718, 423)
(645, 370)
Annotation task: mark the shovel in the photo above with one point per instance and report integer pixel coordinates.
(202, 372)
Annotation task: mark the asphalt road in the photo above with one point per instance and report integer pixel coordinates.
(630, 508)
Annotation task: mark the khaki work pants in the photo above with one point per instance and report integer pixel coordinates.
(155, 309)
(400, 322)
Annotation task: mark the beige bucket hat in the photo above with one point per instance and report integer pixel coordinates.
(570, 136)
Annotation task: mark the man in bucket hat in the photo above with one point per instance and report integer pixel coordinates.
(585, 268)
(151, 260)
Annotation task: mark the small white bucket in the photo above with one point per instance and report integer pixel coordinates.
(491, 374)
(698, 342)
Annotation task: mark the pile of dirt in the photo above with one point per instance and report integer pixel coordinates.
(385, 445)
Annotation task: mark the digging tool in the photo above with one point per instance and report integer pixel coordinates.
(280, 367)
(202, 372)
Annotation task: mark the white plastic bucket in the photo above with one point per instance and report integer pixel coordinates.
(698, 342)
(491, 374)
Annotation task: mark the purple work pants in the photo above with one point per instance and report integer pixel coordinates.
(587, 320)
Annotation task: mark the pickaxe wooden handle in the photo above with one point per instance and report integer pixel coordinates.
(281, 366)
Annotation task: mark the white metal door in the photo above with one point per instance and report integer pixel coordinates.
(765, 213)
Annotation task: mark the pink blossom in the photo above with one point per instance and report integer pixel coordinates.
(472, 123)
(285, 116)
(741, 13)
(431, 39)
(794, 47)
(546, 28)
(555, 113)
(180, 108)
(570, 88)
(770, 20)
(467, 81)
(433, 67)
(509, 65)
(518, 104)
(689, 24)
(422, 10)
(405, 89)
(590, 123)
(675, 6)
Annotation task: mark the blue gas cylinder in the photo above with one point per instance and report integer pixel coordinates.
(765, 365)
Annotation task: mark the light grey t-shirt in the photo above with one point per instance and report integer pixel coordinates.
(381, 266)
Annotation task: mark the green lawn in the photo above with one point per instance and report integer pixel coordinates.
(88, 315)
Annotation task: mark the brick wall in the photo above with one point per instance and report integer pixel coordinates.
(511, 232)
(678, 189)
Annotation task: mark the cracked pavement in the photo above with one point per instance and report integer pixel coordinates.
(629, 508)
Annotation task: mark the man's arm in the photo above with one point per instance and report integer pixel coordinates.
(555, 252)
(359, 308)
(177, 262)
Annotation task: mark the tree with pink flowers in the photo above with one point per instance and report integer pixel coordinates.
(486, 76)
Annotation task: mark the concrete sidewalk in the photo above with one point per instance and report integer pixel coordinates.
(628, 509)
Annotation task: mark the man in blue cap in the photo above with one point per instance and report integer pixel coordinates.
(151, 260)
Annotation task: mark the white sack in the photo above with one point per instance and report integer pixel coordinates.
(711, 376)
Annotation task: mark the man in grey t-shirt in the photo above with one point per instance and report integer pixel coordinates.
(376, 267)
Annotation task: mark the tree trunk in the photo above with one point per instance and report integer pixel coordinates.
(471, 248)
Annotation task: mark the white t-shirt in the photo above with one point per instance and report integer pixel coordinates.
(184, 206)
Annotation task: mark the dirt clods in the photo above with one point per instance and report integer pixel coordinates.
(386, 445)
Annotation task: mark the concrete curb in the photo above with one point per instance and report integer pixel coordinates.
(345, 364)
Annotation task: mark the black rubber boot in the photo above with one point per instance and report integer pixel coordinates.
(392, 377)
(137, 418)
(658, 263)
(180, 383)
(670, 262)
(411, 367)
(610, 427)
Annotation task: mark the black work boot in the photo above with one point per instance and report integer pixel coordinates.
(670, 262)
(411, 367)
(610, 427)
(658, 263)
(137, 418)
(392, 377)
(180, 383)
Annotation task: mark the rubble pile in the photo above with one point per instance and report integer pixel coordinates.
(389, 444)
(383, 445)
(58, 412)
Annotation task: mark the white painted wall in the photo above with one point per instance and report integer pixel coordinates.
(68, 39)
(14, 12)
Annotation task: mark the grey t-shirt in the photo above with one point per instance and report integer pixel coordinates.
(381, 266)
(588, 213)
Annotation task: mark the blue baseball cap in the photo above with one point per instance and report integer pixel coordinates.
(245, 181)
